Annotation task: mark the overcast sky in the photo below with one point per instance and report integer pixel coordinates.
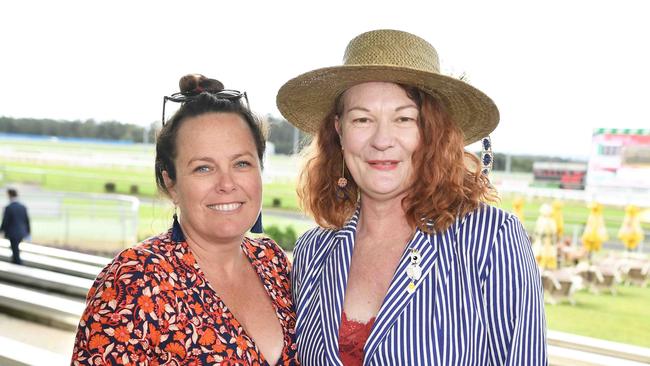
(556, 69)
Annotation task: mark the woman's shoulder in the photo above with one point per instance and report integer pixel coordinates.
(488, 217)
(314, 241)
(157, 246)
(485, 228)
(134, 262)
(315, 238)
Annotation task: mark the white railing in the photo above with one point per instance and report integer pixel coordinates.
(98, 222)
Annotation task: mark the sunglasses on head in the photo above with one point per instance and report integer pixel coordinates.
(228, 94)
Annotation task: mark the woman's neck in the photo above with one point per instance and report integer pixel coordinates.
(383, 219)
(223, 257)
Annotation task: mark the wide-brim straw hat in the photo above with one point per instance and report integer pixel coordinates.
(390, 56)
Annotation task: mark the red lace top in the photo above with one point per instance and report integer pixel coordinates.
(352, 337)
(152, 306)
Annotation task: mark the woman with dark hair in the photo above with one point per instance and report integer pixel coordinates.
(201, 293)
(410, 265)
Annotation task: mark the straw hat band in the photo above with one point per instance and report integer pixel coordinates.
(392, 48)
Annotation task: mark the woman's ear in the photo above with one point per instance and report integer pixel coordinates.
(170, 185)
(337, 126)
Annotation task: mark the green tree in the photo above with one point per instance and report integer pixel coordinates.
(282, 135)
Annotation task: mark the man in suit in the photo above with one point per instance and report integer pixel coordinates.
(15, 224)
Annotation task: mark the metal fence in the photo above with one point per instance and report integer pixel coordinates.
(101, 223)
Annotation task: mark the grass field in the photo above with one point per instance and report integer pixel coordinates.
(284, 191)
(72, 178)
(623, 318)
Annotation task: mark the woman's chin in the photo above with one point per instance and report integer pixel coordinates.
(384, 193)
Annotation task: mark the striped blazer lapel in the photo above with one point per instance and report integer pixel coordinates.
(333, 283)
(398, 296)
(445, 242)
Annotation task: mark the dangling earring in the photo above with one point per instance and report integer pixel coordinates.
(486, 156)
(257, 226)
(342, 182)
(177, 232)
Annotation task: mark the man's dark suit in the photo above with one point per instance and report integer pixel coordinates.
(15, 224)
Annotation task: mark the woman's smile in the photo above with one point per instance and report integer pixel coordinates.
(383, 164)
(226, 207)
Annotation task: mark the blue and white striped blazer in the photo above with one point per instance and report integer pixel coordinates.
(479, 300)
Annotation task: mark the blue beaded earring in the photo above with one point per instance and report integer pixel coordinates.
(487, 159)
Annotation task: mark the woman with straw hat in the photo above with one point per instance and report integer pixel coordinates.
(409, 266)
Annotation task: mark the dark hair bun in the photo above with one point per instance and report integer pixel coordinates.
(197, 83)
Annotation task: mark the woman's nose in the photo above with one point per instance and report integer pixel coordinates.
(225, 183)
(384, 136)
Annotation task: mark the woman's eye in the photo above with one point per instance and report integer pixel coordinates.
(243, 164)
(405, 119)
(361, 120)
(202, 169)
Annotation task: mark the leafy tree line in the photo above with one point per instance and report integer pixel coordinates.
(281, 132)
(108, 130)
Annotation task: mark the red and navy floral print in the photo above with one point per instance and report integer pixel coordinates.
(153, 306)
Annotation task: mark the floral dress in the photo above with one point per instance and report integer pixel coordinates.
(152, 305)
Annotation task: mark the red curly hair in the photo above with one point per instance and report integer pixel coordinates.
(450, 183)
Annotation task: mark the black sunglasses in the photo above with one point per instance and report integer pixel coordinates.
(228, 94)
